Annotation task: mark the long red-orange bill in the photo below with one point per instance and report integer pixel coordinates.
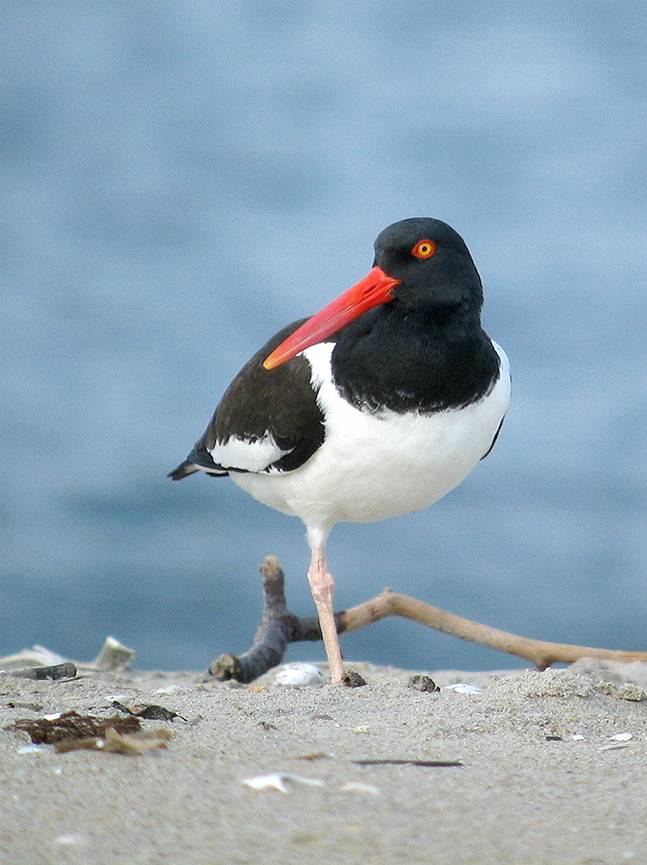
(374, 289)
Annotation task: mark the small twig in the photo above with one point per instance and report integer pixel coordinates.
(394, 762)
(279, 626)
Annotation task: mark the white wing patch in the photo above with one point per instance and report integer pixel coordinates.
(251, 455)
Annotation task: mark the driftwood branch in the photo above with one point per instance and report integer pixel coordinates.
(279, 626)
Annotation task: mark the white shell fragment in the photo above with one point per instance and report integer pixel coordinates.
(113, 656)
(359, 787)
(277, 781)
(577, 737)
(72, 839)
(299, 675)
(621, 737)
(616, 747)
(462, 688)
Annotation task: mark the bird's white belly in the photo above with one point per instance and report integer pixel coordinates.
(373, 466)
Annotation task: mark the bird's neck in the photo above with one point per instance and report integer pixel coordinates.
(422, 360)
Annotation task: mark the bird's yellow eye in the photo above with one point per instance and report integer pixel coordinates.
(424, 249)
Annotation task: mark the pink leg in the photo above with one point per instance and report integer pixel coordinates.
(322, 585)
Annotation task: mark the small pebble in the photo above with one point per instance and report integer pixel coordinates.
(423, 683)
(352, 679)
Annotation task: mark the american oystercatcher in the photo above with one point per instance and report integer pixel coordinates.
(379, 404)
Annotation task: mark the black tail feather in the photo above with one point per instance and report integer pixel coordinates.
(182, 471)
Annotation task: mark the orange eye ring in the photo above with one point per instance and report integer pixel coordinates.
(424, 249)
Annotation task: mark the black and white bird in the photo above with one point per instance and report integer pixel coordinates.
(378, 405)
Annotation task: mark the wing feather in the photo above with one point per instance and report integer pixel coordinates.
(266, 421)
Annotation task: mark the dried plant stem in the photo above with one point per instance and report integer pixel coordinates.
(279, 626)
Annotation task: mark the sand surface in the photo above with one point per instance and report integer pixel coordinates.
(520, 797)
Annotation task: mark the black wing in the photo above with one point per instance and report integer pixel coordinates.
(267, 420)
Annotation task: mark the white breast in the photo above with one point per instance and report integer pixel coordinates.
(373, 466)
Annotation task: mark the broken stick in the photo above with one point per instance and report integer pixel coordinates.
(278, 627)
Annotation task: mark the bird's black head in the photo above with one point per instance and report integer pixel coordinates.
(431, 262)
(420, 264)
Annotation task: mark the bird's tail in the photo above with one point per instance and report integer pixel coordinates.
(182, 471)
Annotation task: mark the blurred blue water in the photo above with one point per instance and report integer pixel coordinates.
(181, 179)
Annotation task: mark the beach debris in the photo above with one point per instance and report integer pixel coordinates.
(577, 737)
(553, 738)
(352, 679)
(33, 707)
(621, 737)
(362, 728)
(462, 688)
(70, 725)
(622, 691)
(423, 683)
(359, 787)
(322, 718)
(399, 762)
(298, 675)
(277, 781)
(314, 755)
(267, 726)
(279, 627)
(615, 747)
(132, 744)
(66, 670)
(148, 711)
(35, 661)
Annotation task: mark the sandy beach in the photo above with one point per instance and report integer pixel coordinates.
(553, 771)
